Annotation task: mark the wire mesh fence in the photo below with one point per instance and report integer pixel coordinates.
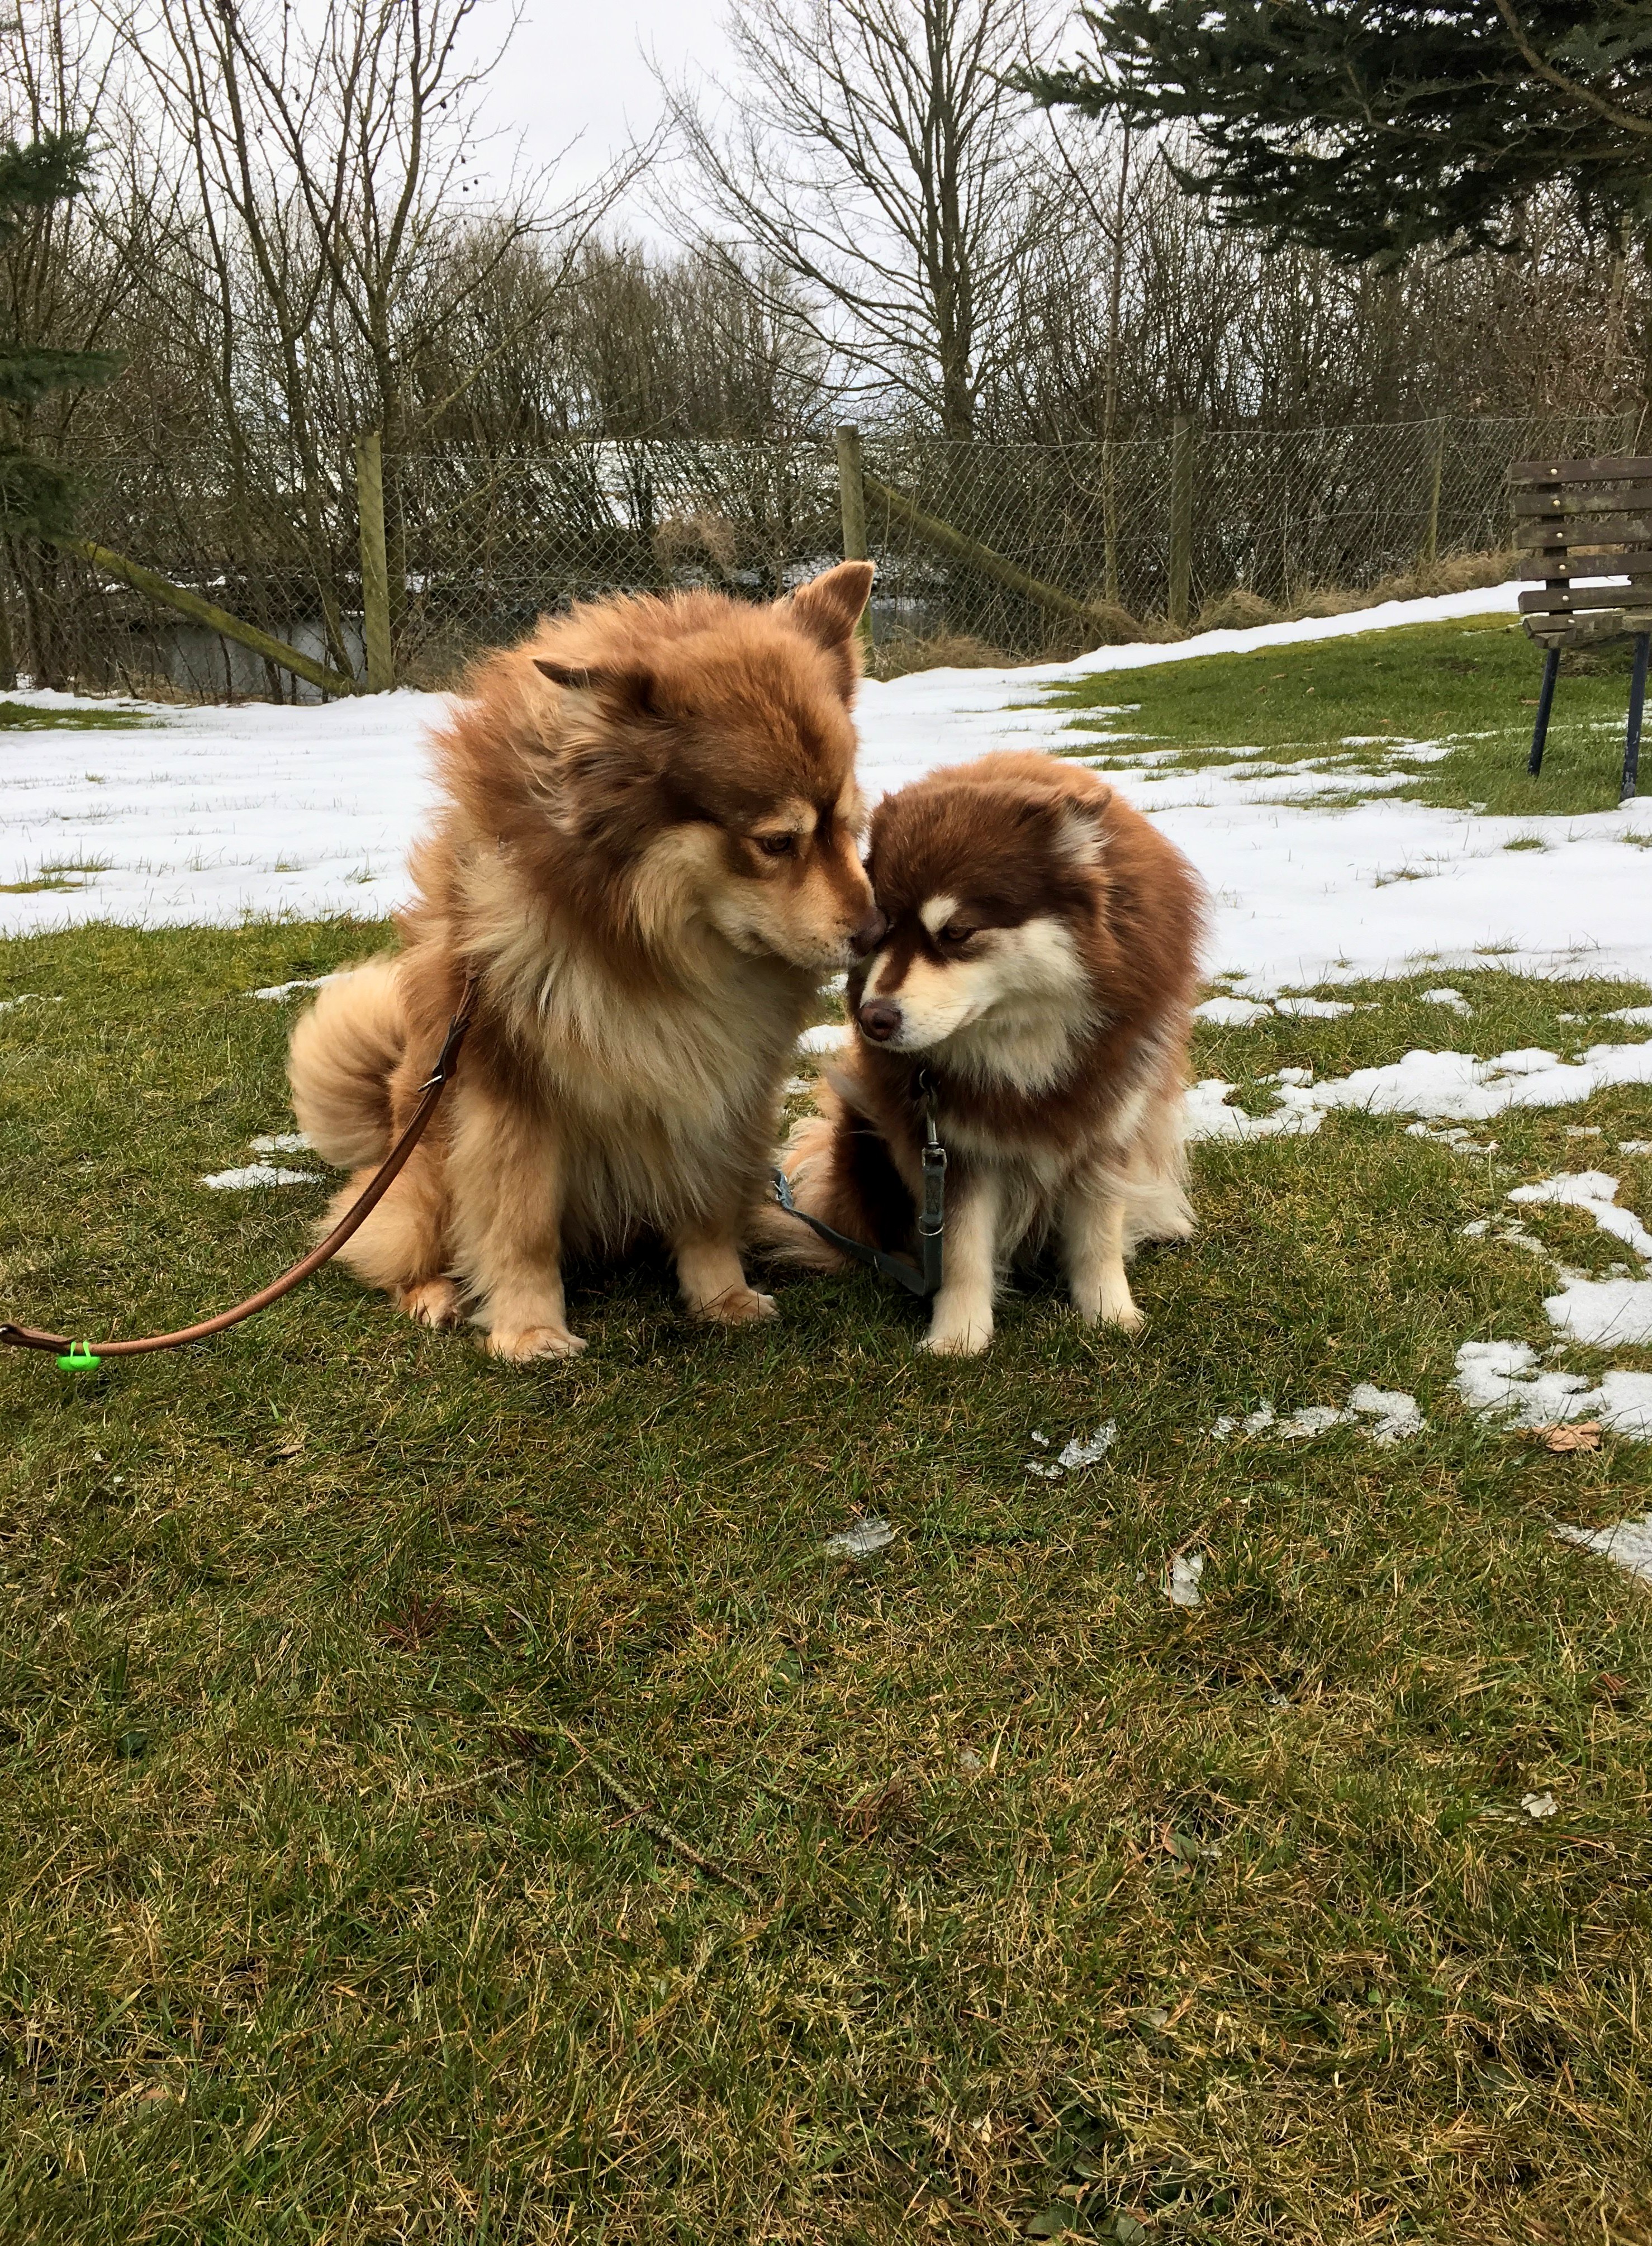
(479, 546)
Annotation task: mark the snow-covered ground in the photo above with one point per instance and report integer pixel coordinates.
(212, 813)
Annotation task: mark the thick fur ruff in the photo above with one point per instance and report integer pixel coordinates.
(1039, 965)
(649, 858)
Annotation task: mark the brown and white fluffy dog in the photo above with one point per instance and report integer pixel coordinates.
(1040, 964)
(648, 857)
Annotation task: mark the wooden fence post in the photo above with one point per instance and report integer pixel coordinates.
(1181, 519)
(851, 499)
(369, 511)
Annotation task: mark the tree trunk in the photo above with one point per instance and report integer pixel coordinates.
(8, 651)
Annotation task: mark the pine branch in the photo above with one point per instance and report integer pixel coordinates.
(53, 169)
(31, 371)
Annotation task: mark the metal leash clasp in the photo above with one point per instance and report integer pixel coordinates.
(932, 1217)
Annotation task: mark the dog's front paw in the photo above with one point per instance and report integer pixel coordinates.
(432, 1302)
(1124, 1315)
(961, 1338)
(523, 1345)
(741, 1306)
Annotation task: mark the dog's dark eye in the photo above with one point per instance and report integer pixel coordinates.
(776, 846)
(956, 931)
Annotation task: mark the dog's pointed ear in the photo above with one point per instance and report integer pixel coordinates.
(1081, 828)
(629, 693)
(828, 607)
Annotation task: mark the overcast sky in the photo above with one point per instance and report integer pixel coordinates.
(578, 68)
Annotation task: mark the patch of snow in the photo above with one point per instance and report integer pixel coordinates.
(256, 1175)
(1597, 1193)
(1184, 1572)
(1500, 1379)
(1395, 1417)
(1208, 1115)
(1634, 1145)
(1082, 1452)
(1629, 1543)
(1539, 1805)
(1312, 1419)
(1231, 1013)
(1454, 1000)
(825, 1037)
(1641, 1016)
(286, 989)
(1607, 1314)
(280, 1142)
(861, 1540)
(27, 998)
(1443, 1087)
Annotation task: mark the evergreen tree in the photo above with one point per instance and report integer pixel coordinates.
(35, 494)
(1370, 129)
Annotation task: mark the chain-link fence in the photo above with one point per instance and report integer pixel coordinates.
(476, 546)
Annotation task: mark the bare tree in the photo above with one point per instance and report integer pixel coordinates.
(329, 149)
(874, 153)
(70, 270)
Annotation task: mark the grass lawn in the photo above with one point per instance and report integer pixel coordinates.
(25, 717)
(444, 1802)
(1363, 705)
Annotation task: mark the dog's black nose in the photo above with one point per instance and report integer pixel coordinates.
(869, 934)
(880, 1018)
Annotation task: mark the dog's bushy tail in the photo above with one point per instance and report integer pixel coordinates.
(1155, 1182)
(342, 1054)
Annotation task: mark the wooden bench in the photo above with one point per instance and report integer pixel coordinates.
(1580, 519)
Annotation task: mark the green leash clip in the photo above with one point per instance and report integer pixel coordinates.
(80, 1359)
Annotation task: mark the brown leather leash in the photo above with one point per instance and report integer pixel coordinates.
(79, 1355)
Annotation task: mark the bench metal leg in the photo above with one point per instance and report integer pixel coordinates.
(1544, 703)
(1637, 695)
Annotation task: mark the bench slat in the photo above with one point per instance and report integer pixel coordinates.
(1591, 631)
(1596, 532)
(1611, 467)
(1563, 501)
(1575, 567)
(1567, 602)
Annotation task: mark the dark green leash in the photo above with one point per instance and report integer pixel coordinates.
(922, 1280)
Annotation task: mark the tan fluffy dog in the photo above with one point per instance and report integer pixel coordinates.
(649, 859)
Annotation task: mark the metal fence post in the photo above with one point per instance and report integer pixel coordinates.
(851, 499)
(1181, 519)
(370, 510)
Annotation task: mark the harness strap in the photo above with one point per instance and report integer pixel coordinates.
(922, 1279)
(83, 1355)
